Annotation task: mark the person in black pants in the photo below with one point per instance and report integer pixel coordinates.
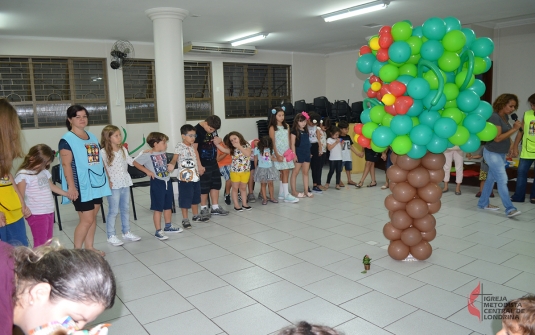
(334, 145)
(316, 161)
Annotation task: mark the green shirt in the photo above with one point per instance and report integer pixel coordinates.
(528, 140)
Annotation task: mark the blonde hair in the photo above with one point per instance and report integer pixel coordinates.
(10, 147)
(105, 142)
(518, 315)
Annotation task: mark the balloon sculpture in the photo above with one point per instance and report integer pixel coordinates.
(423, 98)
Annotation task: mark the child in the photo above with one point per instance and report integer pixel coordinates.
(34, 184)
(347, 148)
(279, 133)
(240, 169)
(154, 164)
(484, 168)
(453, 154)
(250, 196)
(116, 160)
(334, 145)
(223, 161)
(314, 135)
(300, 144)
(324, 125)
(12, 206)
(265, 172)
(518, 317)
(371, 158)
(189, 186)
(305, 328)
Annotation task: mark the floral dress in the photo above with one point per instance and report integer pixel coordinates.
(282, 142)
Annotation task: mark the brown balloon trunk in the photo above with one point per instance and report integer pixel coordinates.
(415, 198)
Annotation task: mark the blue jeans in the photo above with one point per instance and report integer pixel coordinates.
(522, 181)
(14, 233)
(496, 174)
(118, 201)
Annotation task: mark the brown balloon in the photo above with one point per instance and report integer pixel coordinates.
(433, 161)
(429, 235)
(421, 251)
(404, 192)
(427, 223)
(390, 213)
(429, 193)
(391, 185)
(434, 207)
(418, 177)
(391, 232)
(398, 250)
(392, 204)
(396, 174)
(436, 176)
(407, 163)
(401, 220)
(411, 236)
(393, 158)
(417, 208)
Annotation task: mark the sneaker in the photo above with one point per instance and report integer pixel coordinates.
(514, 212)
(205, 213)
(251, 198)
(227, 199)
(113, 240)
(200, 218)
(131, 237)
(160, 235)
(247, 208)
(281, 196)
(317, 190)
(492, 208)
(186, 224)
(291, 198)
(219, 211)
(172, 229)
(238, 209)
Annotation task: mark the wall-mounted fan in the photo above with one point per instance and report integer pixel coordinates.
(122, 53)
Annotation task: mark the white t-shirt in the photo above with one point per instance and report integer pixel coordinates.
(312, 135)
(187, 163)
(38, 195)
(118, 170)
(336, 152)
(346, 148)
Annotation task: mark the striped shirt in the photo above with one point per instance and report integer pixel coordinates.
(38, 196)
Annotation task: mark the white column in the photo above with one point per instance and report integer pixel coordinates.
(169, 62)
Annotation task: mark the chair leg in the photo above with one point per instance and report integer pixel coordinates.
(133, 203)
(103, 216)
(57, 211)
(173, 209)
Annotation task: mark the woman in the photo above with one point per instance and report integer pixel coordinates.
(495, 151)
(82, 175)
(51, 284)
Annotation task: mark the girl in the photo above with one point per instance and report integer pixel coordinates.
(240, 169)
(324, 125)
(265, 172)
(116, 160)
(454, 154)
(279, 133)
(371, 158)
(315, 137)
(224, 161)
(300, 144)
(35, 186)
(334, 145)
(12, 206)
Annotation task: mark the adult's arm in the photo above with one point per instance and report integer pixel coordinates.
(66, 160)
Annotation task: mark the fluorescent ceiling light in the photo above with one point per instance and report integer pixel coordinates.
(357, 10)
(248, 39)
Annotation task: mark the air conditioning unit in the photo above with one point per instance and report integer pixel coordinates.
(219, 48)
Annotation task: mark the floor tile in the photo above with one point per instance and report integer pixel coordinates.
(444, 278)
(186, 243)
(288, 225)
(493, 272)
(358, 251)
(158, 306)
(176, 268)
(488, 239)
(337, 242)
(321, 256)
(250, 278)
(256, 317)
(520, 247)
(230, 239)
(190, 322)
(212, 231)
(451, 243)
(126, 325)
(294, 245)
(130, 271)
(435, 301)
(271, 236)
(303, 273)
(524, 281)
(205, 253)
(422, 323)
(489, 288)
(352, 268)
(117, 311)
(358, 326)
(317, 311)
(120, 257)
(226, 264)
(158, 256)
(144, 246)
(337, 289)
(220, 301)
(280, 295)
(391, 283)
(349, 230)
(311, 233)
(129, 290)
(448, 259)
(275, 260)
(326, 222)
(250, 228)
(401, 267)
(196, 283)
(250, 249)
(522, 263)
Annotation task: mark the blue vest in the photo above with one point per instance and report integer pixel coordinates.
(92, 179)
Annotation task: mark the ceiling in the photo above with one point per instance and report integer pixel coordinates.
(293, 25)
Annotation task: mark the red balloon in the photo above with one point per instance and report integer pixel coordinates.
(430, 192)
(401, 220)
(407, 163)
(391, 109)
(436, 176)
(417, 209)
(404, 192)
(434, 207)
(421, 251)
(398, 250)
(358, 128)
(397, 88)
(385, 30)
(385, 40)
(391, 232)
(429, 235)
(363, 141)
(411, 236)
(427, 223)
(396, 174)
(385, 89)
(382, 55)
(403, 104)
(365, 50)
(371, 93)
(375, 79)
(418, 177)
(392, 204)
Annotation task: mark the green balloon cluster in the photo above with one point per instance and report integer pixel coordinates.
(422, 91)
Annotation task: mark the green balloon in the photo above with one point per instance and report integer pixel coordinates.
(377, 113)
(461, 136)
(454, 40)
(414, 59)
(368, 129)
(388, 73)
(451, 104)
(401, 124)
(415, 43)
(479, 65)
(387, 119)
(489, 133)
(390, 61)
(408, 69)
(451, 91)
(453, 113)
(377, 148)
(401, 31)
(460, 77)
(432, 79)
(449, 61)
(415, 121)
(401, 145)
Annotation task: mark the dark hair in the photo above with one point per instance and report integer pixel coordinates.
(531, 99)
(314, 117)
(273, 119)
(305, 328)
(71, 112)
(10, 147)
(295, 125)
(36, 158)
(229, 145)
(265, 142)
(332, 130)
(327, 123)
(156, 137)
(186, 129)
(213, 121)
(519, 315)
(343, 124)
(503, 100)
(78, 275)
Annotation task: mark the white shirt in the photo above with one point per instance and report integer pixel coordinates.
(38, 195)
(118, 170)
(336, 152)
(187, 163)
(312, 135)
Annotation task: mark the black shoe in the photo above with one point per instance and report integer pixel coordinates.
(247, 208)
(227, 199)
(238, 209)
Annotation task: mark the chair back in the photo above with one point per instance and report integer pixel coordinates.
(135, 173)
(56, 176)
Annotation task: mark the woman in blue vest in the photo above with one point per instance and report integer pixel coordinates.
(82, 175)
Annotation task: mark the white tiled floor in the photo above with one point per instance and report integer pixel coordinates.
(255, 272)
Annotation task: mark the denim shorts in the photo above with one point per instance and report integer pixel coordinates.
(189, 194)
(225, 171)
(161, 195)
(348, 165)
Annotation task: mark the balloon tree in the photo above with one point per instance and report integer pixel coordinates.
(422, 98)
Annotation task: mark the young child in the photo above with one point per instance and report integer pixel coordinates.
(371, 158)
(300, 144)
(518, 317)
(34, 185)
(265, 172)
(154, 164)
(240, 169)
(305, 328)
(279, 132)
(189, 186)
(454, 154)
(250, 185)
(324, 126)
(12, 206)
(223, 161)
(334, 145)
(116, 160)
(347, 148)
(315, 137)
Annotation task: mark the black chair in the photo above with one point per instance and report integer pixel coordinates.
(322, 106)
(356, 110)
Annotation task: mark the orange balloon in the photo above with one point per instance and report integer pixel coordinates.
(411, 236)
(401, 220)
(434, 207)
(429, 235)
(436, 176)
(392, 204)
(398, 250)
(404, 192)
(421, 251)
(391, 232)
(427, 223)
(407, 163)
(396, 174)
(430, 192)
(417, 209)
(418, 177)
(433, 161)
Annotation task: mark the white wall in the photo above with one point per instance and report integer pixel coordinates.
(344, 81)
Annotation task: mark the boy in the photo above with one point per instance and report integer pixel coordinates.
(206, 143)
(154, 164)
(347, 148)
(518, 317)
(223, 161)
(189, 186)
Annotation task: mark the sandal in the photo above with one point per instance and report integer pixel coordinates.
(300, 195)
(264, 201)
(351, 183)
(359, 185)
(342, 184)
(100, 252)
(338, 188)
(273, 201)
(372, 184)
(384, 187)
(310, 195)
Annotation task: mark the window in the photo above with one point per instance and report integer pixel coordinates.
(41, 89)
(140, 92)
(251, 90)
(198, 85)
